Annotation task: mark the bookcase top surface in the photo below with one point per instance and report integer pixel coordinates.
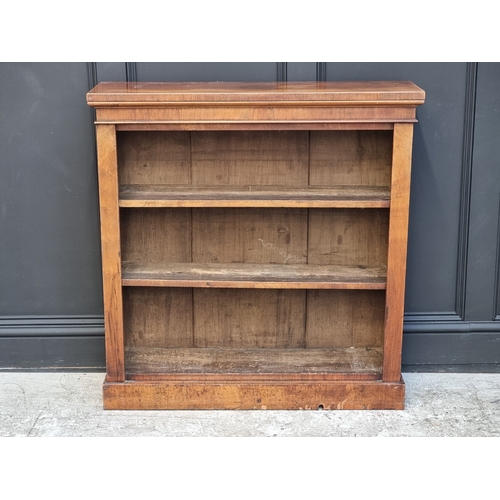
(404, 93)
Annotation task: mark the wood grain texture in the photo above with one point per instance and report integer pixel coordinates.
(348, 237)
(154, 158)
(216, 378)
(176, 126)
(158, 317)
(258, 196)
(118, 93)
(110, 246)
(230, 362)
(292, 395)
(249, 318)
(351, 158)
(156, 235)
(244, 158)
(252, 236)
(238, 114)
(398, 241)
(298, 103)
(345, 318)
(209, 275)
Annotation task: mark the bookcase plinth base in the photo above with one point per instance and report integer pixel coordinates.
(296, 395)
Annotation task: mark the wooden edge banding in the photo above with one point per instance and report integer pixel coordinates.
(253, 203)
(237, 104)
(342, 395)
(274, 285)
(110, 244)
(139, 126)
(261, 378)
(396, 259)
(376, 124)
(248, 115)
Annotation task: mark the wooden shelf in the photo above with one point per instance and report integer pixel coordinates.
(150, 196)
(339, 363)
(305, 276)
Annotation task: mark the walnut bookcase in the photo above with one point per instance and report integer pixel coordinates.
(254, 242)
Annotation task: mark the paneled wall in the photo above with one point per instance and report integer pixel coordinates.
(50, 281)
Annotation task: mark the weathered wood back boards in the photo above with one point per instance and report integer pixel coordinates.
(254, 242)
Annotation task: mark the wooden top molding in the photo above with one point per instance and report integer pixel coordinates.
(265, 105)
(121, 94)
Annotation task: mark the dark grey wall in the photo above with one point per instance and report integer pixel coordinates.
(50, 278)
(49, 210)
(50, 281)
(482, 267)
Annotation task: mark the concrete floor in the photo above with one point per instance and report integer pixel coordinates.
(70, 404)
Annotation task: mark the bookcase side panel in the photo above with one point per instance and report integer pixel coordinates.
(110, 245)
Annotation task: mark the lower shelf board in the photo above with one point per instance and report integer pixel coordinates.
(239, 379)
(345, 363)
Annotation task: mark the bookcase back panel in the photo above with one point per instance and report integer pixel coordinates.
(249, 318)
(241, 158)
(350, 158)
(260, 236)
(345, 318)
(349, 237)
(250, 158)
(246, 318)
(156, 234)
(352, 237)
(158, 317)
(154, 157)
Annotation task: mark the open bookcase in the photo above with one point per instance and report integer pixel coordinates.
(254, 243)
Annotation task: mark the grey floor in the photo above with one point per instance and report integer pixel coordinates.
(70, 404)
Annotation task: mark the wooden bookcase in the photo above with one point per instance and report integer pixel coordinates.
(254, 243)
